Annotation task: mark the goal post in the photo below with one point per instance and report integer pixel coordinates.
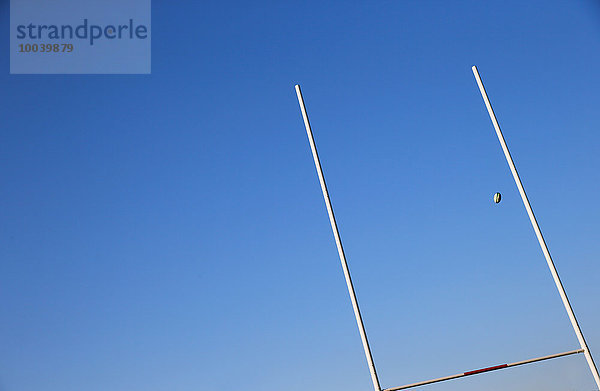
(538, 232)
(338, 242)
(359, 321)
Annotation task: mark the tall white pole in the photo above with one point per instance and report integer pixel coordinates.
(538, 232)
(338, 241)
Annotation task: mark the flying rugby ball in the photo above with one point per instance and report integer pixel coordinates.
(497, 198)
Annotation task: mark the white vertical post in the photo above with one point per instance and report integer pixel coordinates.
(338, 241)
(538, 232)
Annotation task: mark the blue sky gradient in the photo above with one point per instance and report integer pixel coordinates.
(167, 231)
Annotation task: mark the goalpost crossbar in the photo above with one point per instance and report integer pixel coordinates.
(483, 370)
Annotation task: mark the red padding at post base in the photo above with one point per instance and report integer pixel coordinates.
(486, 369)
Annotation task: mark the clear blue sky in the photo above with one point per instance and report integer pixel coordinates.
(167, 232)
